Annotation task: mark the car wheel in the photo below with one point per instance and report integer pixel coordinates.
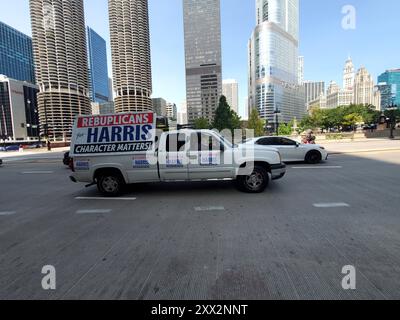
(256, 182)
(110, 185)
(313, 157)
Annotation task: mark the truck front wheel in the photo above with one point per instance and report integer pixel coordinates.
(110, 184)
(256, 182)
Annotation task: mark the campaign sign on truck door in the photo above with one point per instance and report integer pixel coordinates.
(116, 134)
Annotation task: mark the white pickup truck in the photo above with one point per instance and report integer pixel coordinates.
(185, 155)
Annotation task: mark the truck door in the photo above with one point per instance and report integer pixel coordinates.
(172, 157)
(206, 158)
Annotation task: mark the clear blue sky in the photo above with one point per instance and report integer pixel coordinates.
(374, 43)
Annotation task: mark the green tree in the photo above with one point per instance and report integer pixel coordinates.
(225, 117)
(313, 120)
(201, 123)
(350, 120)
(285, 129)
(256, 123)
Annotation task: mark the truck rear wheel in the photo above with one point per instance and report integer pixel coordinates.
(110, 184)
(256, 182)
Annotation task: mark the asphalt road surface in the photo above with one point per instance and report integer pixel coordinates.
(204, 240)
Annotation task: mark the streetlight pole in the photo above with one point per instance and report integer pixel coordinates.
(29, 125)
(4, 132)
(392, 119)
(277, 113)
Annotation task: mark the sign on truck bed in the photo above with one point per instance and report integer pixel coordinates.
(115, 133)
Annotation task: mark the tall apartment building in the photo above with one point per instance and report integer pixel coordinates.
(336, 96)
(172, 111)
(60, 55)
(230, 89)
(130, 49)
(182, 114)
(202, 31)
(160, 106)
(19, 120)
(319, 102)
(273, 62)
(313, 90)
(103, 108)
(16, 54)
(110, 90)
(98, 67)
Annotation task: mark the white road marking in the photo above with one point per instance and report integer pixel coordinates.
(104, 198)
(7, 213)
(331, 205)
(200, 209)
(38, 172)
(93, 211)
(319, 167)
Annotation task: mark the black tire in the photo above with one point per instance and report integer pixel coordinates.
(313, 157)
(257, 182)
(110, 184)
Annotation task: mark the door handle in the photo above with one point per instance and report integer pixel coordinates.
(193, 157)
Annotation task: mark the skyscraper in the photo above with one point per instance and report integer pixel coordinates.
(130, 49)
(160, 106)
(300, 69)
(273, 62)
(98, 68)
(202, 24)
(60, 55)
(230, 89)
(172, 111)
(390, 79)
(363, 87)
(16, 56)
(313, 90)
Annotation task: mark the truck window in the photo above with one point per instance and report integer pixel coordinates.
(176, 142)
(204, 142)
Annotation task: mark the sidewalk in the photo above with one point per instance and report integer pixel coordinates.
(374, 145)
(365, 140)
(34, 154)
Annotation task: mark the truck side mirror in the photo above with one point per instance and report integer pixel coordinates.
(222, 147)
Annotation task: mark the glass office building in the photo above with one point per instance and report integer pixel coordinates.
(274, 88)
(390, 87)
(98, 69)
(19, 118)
(202, 24)
(16, 56)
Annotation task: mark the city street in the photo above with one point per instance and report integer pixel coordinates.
(205, 240)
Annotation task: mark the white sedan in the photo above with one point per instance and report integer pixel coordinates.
(293, 151)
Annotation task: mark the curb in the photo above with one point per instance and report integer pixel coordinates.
(363, 151)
